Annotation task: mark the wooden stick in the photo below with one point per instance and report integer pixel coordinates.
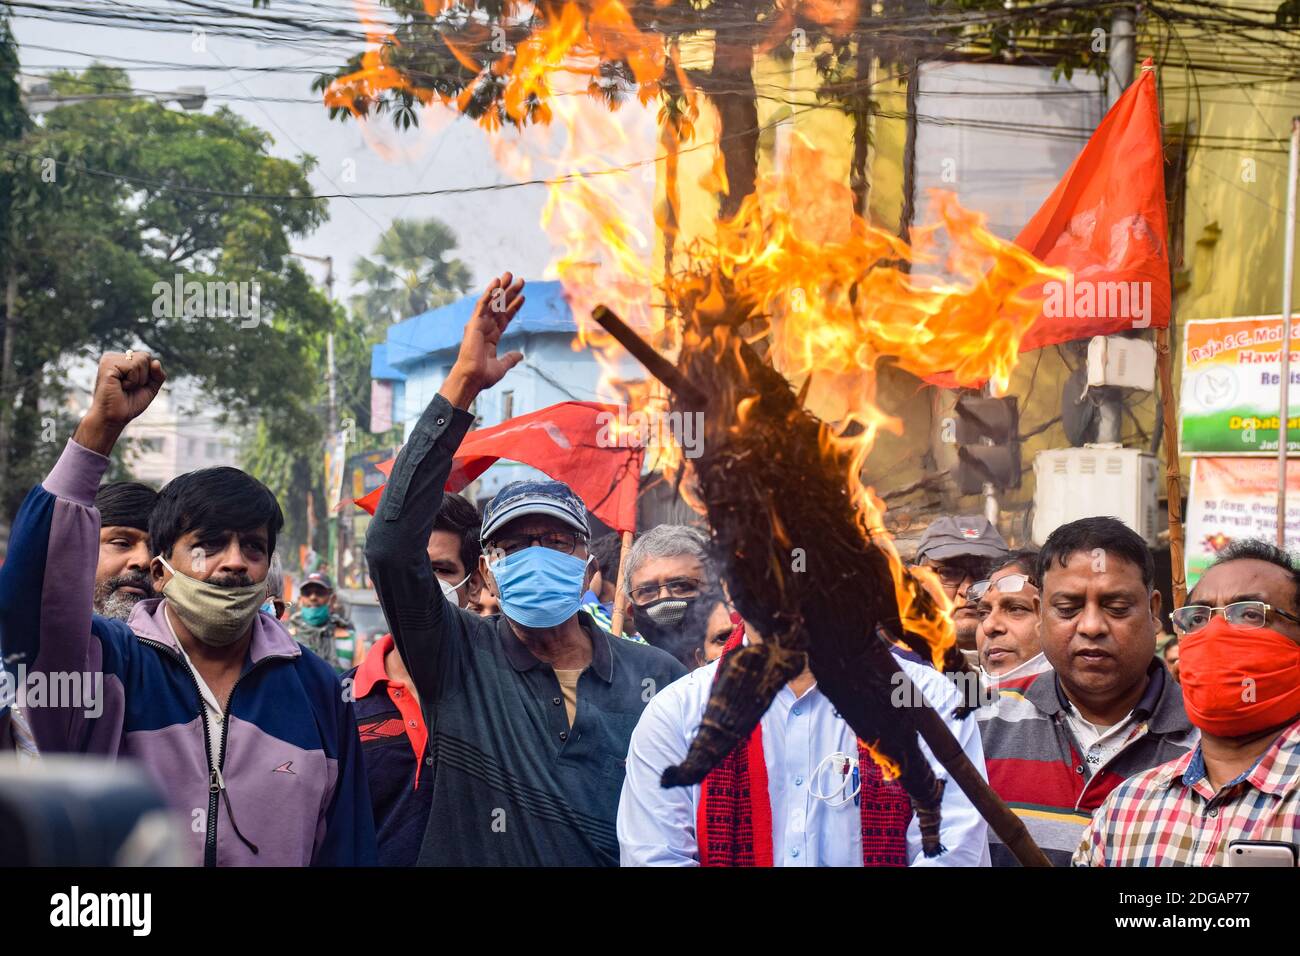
(641, 350)
(1173, 477)
(620, 593)
(1009, 827)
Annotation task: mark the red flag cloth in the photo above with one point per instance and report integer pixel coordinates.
(573, 442)
(1108, 223)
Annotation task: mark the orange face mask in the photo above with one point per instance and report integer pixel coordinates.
(1239, 681)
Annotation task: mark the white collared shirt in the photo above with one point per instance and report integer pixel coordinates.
(656, 826)
(1099, 744)
(210, 703)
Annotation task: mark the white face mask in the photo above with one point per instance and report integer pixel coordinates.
(449, 590)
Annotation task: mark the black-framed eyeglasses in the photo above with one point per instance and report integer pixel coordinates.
(952, 573)
(1246, 614)
(566, 542)
(677, 587)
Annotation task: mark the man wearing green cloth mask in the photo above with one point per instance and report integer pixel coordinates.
(315, 625)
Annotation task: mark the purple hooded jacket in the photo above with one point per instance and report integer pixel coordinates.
(290, 767)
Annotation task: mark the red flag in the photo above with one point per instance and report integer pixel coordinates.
(1107, 222)
(572, 442)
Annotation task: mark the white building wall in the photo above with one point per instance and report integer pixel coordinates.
(178, 433)
(1000, 136)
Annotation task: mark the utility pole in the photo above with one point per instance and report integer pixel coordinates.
(335, 521)
(1284, 351)
(992, 510)
(1122, 58)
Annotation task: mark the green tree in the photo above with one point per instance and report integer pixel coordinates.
(115, 202)
(291, 464)
(464, 53)
(13, 124)
(411, 271)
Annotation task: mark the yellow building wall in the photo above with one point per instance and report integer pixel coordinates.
(1234, 223)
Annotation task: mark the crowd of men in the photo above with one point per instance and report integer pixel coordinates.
(502, 721)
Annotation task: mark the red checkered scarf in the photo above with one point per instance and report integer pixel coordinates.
(734, 822)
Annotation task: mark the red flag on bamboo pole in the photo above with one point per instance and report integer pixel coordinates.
(572, 442)
(1107, 222)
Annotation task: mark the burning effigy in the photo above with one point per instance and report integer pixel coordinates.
(769, 329)
(806, 556)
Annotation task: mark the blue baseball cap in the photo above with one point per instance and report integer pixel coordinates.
(554, 499)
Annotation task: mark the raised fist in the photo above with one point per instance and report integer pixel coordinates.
(124, 386)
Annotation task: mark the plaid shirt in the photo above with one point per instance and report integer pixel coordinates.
(1171, 816)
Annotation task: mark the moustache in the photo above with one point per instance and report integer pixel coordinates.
(231, 581)
(138, 579)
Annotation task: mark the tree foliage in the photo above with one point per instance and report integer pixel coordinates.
(118, 198)
(410, 272)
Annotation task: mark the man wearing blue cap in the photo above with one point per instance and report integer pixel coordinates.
(316, 624)
(529, 712)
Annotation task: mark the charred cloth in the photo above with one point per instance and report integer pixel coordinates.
(802, 569)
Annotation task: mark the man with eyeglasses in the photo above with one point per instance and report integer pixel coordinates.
(1008, 606)
(1240, 663)
(960, 551)
(1108, 709)
(675, 598)
(529, 712)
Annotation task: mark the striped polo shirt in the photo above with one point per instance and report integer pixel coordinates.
(1037, 765)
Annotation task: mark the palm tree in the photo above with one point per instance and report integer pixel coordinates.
(411, 271)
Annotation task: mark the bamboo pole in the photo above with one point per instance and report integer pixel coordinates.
(1173, 475)
(620, 592)
(1010, 828)
(643, 352)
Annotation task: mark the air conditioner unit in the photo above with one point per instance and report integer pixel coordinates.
(1095, 480)
(1115, 360)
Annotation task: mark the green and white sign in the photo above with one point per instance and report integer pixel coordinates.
(1232, 376)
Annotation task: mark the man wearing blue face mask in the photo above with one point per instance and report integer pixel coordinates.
(529, 712)
(316, 625)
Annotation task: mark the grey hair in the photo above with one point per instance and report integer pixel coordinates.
(275, 578)
(667, 541)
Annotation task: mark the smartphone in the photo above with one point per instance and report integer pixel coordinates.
(1262, 853)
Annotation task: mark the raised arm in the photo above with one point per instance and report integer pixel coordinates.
(397, 539)
(47, 583)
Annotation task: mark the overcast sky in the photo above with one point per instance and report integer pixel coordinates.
(497, 230)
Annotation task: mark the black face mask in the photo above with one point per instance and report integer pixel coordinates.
(676, 625)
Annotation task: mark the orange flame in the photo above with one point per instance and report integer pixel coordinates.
(889, 769)
(376, 74)
(832, 295)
